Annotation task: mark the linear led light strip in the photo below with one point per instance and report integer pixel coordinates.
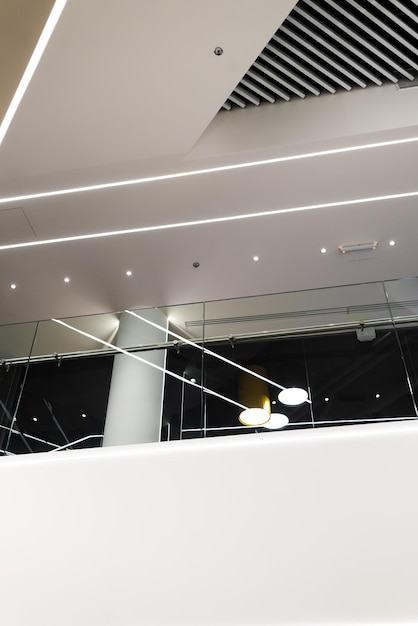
(73, 443)
(157, 367)
(7, 453)
(17, 432)
(214, 220)
(210, 352)
(210, 170)
(31, 66)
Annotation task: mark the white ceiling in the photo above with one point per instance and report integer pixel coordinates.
(131, 89)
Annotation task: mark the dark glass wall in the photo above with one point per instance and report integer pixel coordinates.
(348, 381)
(354, 350)
(55, 404)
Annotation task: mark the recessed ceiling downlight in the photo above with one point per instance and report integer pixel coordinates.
(293, 396)
(276, 421)
(254, 417)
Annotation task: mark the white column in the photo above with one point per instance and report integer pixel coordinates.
(134, 409)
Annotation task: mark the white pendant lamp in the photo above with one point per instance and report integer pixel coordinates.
(276, 421)
(254, 417)
(293, 396)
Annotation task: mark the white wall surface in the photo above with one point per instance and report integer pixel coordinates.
(296, 528)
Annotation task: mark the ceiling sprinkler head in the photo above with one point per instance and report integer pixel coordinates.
(218, 51)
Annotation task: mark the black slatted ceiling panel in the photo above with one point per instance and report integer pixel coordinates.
(325, 46)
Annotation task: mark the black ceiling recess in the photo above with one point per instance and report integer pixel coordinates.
(325, 46)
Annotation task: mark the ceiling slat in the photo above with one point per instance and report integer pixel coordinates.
(269, 85)
(394, 18)
(383, 25)
(244, 93)
(258, 90)
(348, 46)
(338, 53)
(279, 79)
(321, 68)
(325, 57)
(324, 46)
(405, 10)
(238, 101)
(366, 44)
(282, 68)
(303, 69)
(375, 35)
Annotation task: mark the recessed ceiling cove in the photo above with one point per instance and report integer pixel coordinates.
(326, 46)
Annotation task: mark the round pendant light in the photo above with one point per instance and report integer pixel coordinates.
(293, 396)
(276, 421)
(254, 417)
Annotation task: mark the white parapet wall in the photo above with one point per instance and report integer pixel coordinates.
(299, 528)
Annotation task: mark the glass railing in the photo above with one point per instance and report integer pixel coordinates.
(187, 371)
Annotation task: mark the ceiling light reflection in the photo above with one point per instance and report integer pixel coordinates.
(276, 421)
(206, 350)
(254, 417)
(293, 396)
(146, 362)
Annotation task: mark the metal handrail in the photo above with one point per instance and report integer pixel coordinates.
(235, 338)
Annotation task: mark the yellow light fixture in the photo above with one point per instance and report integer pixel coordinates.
(253, 393)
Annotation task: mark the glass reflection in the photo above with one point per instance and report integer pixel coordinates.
(354, 349)
(63, 402)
